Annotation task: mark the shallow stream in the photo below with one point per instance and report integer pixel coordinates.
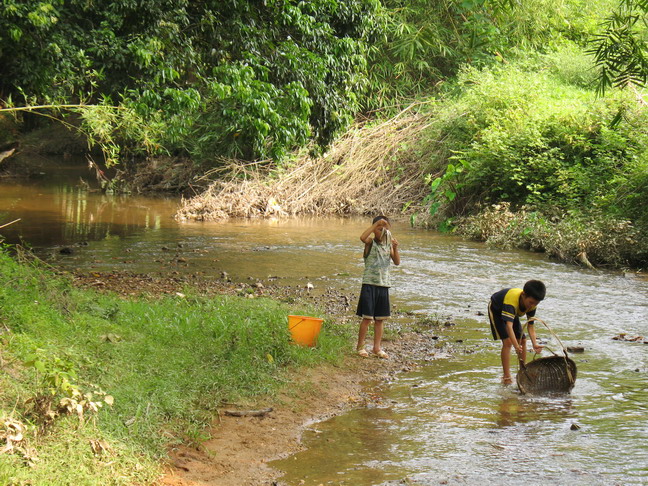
(450, 422)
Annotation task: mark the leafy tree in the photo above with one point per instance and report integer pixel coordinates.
(426, 42)
(620, 50)
(245, 78)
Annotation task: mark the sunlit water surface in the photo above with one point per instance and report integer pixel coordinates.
(450, 422)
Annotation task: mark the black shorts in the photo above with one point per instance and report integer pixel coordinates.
(373, 302)
(498, 325)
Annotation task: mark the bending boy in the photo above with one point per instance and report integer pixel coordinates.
(504, 310)
(374, 295)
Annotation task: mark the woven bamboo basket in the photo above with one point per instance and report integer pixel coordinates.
(553, 374)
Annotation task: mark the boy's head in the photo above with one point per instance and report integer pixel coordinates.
(378, 218)
(378, 231)
(535, 289)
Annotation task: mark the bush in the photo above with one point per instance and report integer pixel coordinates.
(541, 141)
(574, 237)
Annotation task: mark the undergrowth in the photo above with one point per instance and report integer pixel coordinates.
(95, 387)
(571, 237)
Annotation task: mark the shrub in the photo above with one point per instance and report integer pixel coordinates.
(573, 237)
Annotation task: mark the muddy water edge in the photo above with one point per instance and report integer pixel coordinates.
(449, 422)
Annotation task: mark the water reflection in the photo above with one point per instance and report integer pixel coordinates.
(57, 209)
(516, 409)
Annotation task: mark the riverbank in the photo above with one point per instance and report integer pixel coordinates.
(103, 376)
(239, 448)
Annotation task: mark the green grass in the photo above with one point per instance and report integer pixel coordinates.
(168, 362)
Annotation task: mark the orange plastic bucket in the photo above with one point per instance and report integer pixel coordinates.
(304, 330)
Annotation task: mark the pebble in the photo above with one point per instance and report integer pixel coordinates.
(576, 349)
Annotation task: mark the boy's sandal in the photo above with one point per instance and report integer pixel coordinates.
(382, 355)
(363, 353)
(507, 381)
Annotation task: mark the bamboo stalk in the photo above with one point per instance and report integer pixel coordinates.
(12, 222)
(49, 107)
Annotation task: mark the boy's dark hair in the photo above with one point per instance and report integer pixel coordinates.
(378, 218)
(535, 289)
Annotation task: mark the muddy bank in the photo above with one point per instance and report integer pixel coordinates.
(240, 447)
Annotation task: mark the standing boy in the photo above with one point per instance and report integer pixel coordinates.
(504, 310)
(374, 295)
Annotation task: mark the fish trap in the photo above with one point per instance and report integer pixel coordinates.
(553, 374)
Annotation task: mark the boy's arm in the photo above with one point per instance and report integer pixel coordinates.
(365, 236)
(367, 248)
(395, 256)
(536, 347)
(511, 335)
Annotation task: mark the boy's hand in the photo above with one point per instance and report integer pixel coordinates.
(394, 242)
(537, 348)
(381, 223)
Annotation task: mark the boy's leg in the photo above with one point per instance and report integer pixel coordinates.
(506, 360)
(362, 334)
(378, 332)
(383, 312)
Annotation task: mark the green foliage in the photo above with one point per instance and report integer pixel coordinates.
(541, 143)
(209, 79)
(426, 42)
(530, 139)
(445, 187)
(569, 65)
(620, 49)
(256, 80)
(248, 117)
(57, 375)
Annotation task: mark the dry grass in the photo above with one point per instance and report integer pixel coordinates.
(369, 170)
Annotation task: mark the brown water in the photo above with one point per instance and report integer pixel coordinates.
(447, 423)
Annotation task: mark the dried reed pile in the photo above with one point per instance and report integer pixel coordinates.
(369, 170)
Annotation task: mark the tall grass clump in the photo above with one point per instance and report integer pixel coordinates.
(95, 387)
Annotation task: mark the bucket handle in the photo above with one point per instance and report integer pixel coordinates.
(298, 323)
(301, 320)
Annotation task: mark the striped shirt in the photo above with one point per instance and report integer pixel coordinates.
(507, 302)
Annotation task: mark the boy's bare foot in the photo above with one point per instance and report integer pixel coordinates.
(507, 380)
(363, 353)
(381, 354)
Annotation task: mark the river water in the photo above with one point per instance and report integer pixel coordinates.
(450, 422)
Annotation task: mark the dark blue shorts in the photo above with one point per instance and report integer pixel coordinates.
(498, 325)
(373, 302)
